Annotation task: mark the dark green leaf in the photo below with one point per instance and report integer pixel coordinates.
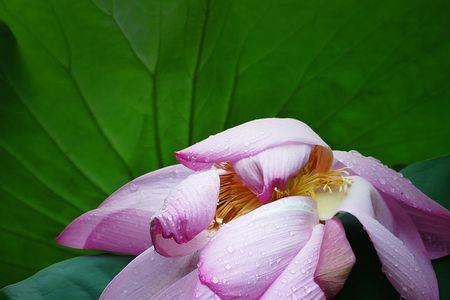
(366, 281)
(433, 178)
(95, 92)
(77, 278)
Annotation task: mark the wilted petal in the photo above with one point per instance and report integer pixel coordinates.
(271, 168)
(188, 210)
(247, 140)
(396, 241)
(336, 259)
(147, 275)
(248, 253)
(431, 219)
(297, 280)
(188, 288)
(121, 222)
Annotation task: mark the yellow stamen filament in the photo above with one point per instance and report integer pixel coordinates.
(307, 184)
(235, 199)
(312, 178)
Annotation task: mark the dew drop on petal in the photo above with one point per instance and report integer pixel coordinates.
(133, 187)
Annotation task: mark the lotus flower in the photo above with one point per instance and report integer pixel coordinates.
(250, 213)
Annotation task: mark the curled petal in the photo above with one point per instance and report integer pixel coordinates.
(121, 222)
(147, 275)
(396, 240)
(432, 220)
(249, 139)
(187, 288)
(248, 253)
(336, 259)
(188, 210)
(297, 280)
(170, 248)
(271, 168)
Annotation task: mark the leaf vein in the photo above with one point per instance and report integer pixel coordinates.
(54, 141)
(195, 75)
(366, 81)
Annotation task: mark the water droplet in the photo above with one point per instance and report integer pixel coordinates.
(215, 280)
(227, 267)
(133, 187)
(230, 249)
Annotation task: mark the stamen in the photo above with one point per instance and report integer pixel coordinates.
(308, 181)
(235, 199)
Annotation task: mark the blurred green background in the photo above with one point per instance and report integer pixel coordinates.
(96, 92)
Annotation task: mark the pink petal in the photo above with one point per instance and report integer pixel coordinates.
(271, 168)
(396, 240)
(188, 287)
(336, 259)
(297, 280)
(170, 248)
(181, 289)
(202, 292)
(248, 253)
(432, 220)
(247, 140)
(147, 275)
(121, 222)
(188, 210)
